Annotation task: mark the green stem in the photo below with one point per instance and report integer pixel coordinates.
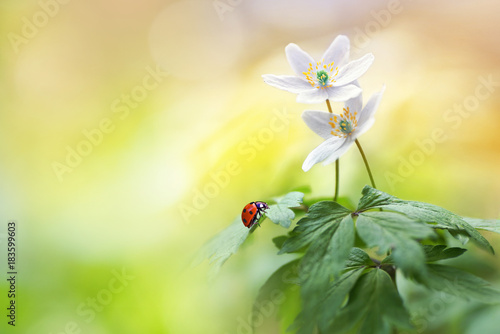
(337, 164)
(366, 163)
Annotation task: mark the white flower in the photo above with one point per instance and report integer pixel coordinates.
(331, 78)
(339, 131)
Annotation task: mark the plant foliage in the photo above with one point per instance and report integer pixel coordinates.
(342, 288)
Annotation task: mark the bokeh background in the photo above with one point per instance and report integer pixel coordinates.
(174, 131)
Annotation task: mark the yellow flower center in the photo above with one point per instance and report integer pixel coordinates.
(343, 125)
(321, 75)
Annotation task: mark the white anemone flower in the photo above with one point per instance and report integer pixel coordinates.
(331, 78)
(339, 131)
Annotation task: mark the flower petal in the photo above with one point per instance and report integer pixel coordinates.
(337, 52)
(343, 93)
(340, 151)
(366, 116)
(289, 83)
(353, 70)
(355, 105)
(299, 59)
(314, 95)
(322, 152)
(318, 121)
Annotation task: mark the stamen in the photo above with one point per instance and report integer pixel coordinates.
(322, 76)
(345, 124)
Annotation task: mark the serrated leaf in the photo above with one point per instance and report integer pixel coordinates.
(325, 258)
(328, 233)
(457, 234)
(374, 307)
(358, 258)
(373, 198)
(336, 296)
(329, 305)
(320, 218)
(341, 245)
(280, 213)
(218, 249)
(441, 252)
(492, 225)
(332, 244)
(461, 284)
(434, 253)
(395, 232)
(432, 214)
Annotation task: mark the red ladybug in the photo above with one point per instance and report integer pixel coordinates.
(252, 213)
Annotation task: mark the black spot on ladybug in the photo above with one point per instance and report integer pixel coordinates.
(244, 210)
(244, 220)
(251, 212)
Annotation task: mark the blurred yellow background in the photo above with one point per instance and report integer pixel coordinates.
(132, 132)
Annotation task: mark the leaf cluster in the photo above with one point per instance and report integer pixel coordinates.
(347, 260)
(344, 290)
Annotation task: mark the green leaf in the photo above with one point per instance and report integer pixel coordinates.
(286, 276)
(461, 284)
(328, 306)
(325, 258)
(218, 249)
(373, 198)
(434, 253)
(341, 244)
(432, 214)
(374, 307)
(358, 259)
(327, 255)
(279, 241)
(321, 217)
(272, 293)
(441, 252)
(336, 296)
(394, 232)
(328, 233)
(492, 225)
(280, 213)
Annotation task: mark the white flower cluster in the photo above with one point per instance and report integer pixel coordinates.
(333, 78)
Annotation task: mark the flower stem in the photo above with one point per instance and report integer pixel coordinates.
(337, 164)
(366, 163)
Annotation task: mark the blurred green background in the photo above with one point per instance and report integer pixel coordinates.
(131, 132)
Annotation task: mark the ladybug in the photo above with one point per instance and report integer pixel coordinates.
(252, 213)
